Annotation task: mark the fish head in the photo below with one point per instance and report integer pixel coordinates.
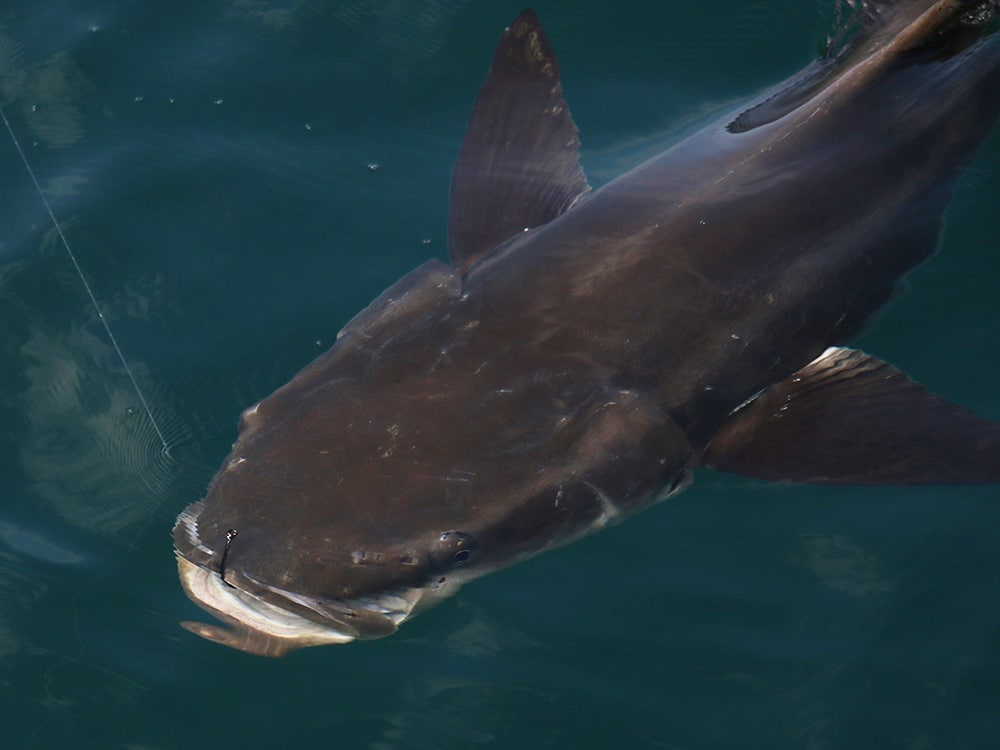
(350, 503)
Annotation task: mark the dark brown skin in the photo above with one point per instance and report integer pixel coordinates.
(569, 375)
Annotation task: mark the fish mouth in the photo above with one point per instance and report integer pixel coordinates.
(266, 628)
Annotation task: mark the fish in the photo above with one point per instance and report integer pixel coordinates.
(584, 351)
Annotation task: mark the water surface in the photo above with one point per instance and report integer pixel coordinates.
(239, 178)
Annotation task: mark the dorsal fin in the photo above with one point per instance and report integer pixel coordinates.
(519, 163)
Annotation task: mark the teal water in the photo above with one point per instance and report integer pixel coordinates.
(238, 179)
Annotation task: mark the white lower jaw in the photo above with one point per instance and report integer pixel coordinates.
(257, 626)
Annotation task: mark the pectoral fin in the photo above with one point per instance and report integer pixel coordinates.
(849, 418)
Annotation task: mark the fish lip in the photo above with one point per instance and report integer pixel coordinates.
(266, 628)
(255, 626)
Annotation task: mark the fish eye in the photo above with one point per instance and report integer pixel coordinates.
(453, 548)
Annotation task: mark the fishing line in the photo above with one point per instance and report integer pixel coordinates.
(86, 285)
(48, 674)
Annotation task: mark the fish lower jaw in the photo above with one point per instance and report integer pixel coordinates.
(255, 626)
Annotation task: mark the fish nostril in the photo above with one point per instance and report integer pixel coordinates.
(230, 535)
(453, 548)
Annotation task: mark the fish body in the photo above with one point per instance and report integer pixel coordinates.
(585, 350)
